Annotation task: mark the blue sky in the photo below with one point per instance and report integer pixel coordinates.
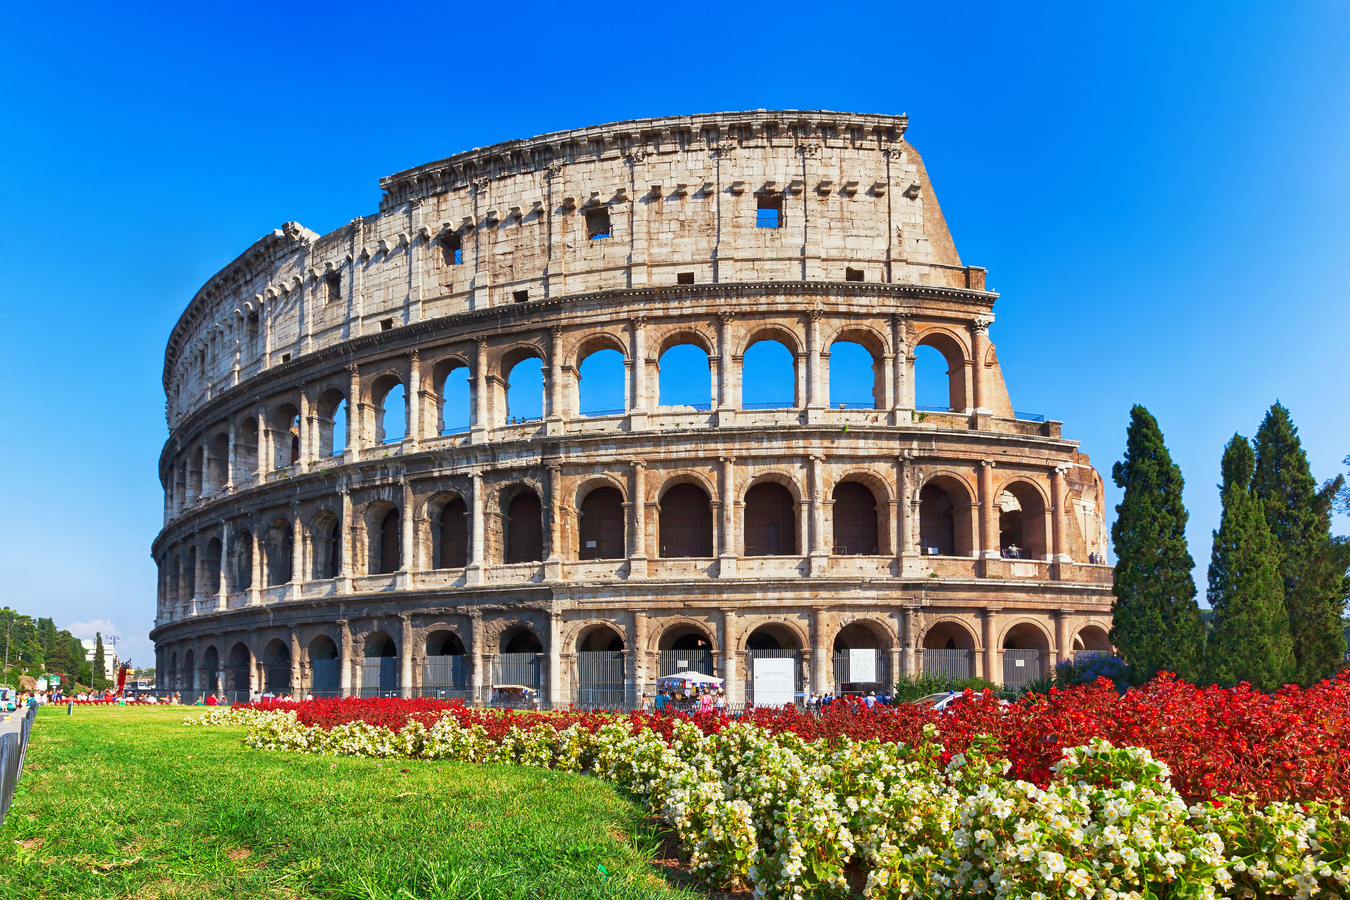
(1158, 190)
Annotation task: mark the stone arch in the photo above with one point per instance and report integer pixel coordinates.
(239, 671)
(285, 428)
(677, 630)
(755, 333)
(519, 637)
(211, 669)
(508, 360)
(331, 402)
(838, 369)
(522, 522)
(683, 334)
(246, 449)
(599, 636)
(774, 634)
(325, 544)
(384, 537)
(863, 633)
(946, 519)
(217, 461)
(448, 519)
(445, 641)
(1024, 519)
(949, 633)
(277, 667)
(684, 520)
(772, 516)
(453, 402)
(380, 386)
(241, 560)
(278, 550)
(1091, 636)
(602, 526)
(776, 384)
(954, 350)
(687, 476)
(1025, 633)
(378, 644)
(679, 392)
(594, 342)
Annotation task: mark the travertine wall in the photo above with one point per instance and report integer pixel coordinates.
(482, 260)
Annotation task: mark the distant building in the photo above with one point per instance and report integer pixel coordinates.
(110, 660)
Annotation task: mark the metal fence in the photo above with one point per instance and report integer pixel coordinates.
(953, 664)
(600, 679)
(516, 668)
(752, 655)
(1021, 667)
(674, 662)
(13, 748)
(772, 404)
(325, 677)
(379, 676)
(846, 681)
(444, 673)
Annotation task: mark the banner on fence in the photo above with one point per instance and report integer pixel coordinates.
(862, 666)
(775, 682)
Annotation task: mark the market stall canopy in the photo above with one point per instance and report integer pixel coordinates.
(689, 678)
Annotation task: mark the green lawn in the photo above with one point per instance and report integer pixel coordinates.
(130, 803)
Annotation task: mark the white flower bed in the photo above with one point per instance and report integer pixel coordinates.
(794, 819)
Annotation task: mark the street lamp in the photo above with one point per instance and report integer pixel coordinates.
(7, 631)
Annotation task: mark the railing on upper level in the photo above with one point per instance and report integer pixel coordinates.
(773, 404)
(1028, 417)
(595, 413)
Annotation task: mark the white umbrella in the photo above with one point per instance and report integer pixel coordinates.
(690, 678)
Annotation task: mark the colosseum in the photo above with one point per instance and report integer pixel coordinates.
(387, 473)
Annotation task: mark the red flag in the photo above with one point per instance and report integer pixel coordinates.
(121, 677)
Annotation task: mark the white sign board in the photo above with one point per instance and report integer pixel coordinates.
(862, 666)
(775, 682)
(42, 684)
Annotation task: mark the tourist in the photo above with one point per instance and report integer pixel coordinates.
(659, 704)
(211, 700)
(705, 702)
(871, 699)
(646, 704)
(720, 701)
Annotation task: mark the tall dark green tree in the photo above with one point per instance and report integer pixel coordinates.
(100, 680)
(1313, 564)
(1250, 640)
(1157, 621)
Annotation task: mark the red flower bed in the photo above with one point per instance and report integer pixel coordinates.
(1293, 745)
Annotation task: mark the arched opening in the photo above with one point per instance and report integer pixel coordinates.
(189, 671)
(190, 574)
(684, 377)
(241, 550)
(860, 665)
(685, 523)
(770, 521)
(445, 669)
(949, 651)
(211, 670)
(1092, 640)
(278, 544)
(197, 474)
(1021, 522)
(768, 376)
(601, 525)
(285, 436)
(277, 667)
(944, 519)
(450, 535)
(325, 674)
(518, 663)
(386, 544)
(379, 666)
(240, 672)
(171, 676)
(217, 463)
(246, 450)
(175, 586)
(684, 647)
(211, 566)
(601, 384)
(524, 379)
(1025, 648)
(940, 374)
(524, 525)
(773, 670)
(855, 377)
(390, 408)
(332, 421)
(856, 524)
(600, 669)
(454, 386)
(325, 532)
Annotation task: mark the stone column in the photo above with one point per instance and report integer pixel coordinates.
(555, 692)
(820, 549)
(989, 542)
(637, 409)
(726, 399)
(816, 397)
(1059, 499)
(255, 574)
(297, 681)
(992, 670)
(637, 555)
(355, 412)
(553, 560)
(223, 585)
(198, 584)
(408, 538)
(263, 462)
(347, 664)
(1062, 653)
(640, 653)
(473, 574)
(478, 428)
(554, 416)
(728, 556)
(979, 332)
(413, 434)
(347, 541)
(901, 402)
(910, 637)
(732, 681)
(302, 463)
(822, 681)
(901, 526)
(405, 654)
(231, 459)
(476, 680)
(298, 578)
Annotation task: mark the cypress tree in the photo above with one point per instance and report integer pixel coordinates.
(1250, 641)
(1156, 619)
(97, 677)
(1312, 563)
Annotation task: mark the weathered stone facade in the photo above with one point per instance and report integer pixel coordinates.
(417, 565)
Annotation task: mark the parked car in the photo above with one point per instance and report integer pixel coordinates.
(943, 701)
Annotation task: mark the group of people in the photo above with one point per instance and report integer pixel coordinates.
(690, 699)
(817, 702)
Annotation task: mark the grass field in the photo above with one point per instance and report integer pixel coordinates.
(130, 803)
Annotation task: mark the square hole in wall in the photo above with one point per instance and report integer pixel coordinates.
(333, 288)
(520, 296)
(452, 250)
(769, 210)
(597, 223)
(285, 357)
(853, 274)
(386, 324)
(684, 278)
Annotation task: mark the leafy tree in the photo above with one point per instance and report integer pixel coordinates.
(1157, 621)
(1250, 640)
(1313, 566)
(100, 680)
(46, 630)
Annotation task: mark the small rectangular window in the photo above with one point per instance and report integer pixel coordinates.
(769, 211)
(386, 324)
(853, 275)
(597, 224)
(285, 357)
(520, 296)
(333, 286)
(684, 278)
(452, 248)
